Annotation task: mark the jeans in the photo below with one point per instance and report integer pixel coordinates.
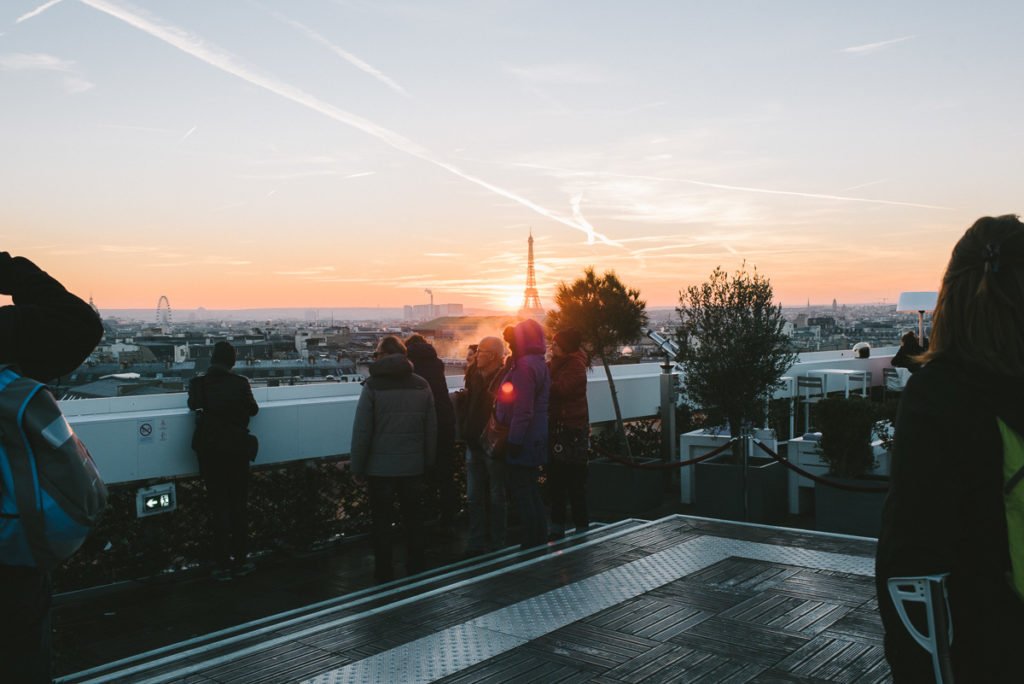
(227, 487)
(409, 493)
(25, 595)
(522, 481)
(568, 481)
(444, 480)
(486, 485)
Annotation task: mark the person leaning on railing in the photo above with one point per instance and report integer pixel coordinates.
(960, 416)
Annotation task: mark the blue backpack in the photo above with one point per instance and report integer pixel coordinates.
(51, 494)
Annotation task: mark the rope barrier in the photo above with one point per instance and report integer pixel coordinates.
(662, 466)
(816, 478)
(711, 454)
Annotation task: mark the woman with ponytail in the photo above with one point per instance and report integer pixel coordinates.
(950, 509)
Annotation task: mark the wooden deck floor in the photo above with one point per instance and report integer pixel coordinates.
(679, 599)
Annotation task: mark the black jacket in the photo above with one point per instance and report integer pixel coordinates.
(479, 401)
(48, 331)
(428, 366)
(903, 357)
(227, 403)
(945, 513)
(224, 395)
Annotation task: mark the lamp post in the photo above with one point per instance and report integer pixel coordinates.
(919, 303)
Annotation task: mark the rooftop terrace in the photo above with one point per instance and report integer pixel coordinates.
(679, 597)
(635, 601)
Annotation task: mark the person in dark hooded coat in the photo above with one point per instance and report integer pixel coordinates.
(394, 439)
(428, 366)
(953, 506)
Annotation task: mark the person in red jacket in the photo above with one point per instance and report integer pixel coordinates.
(569, 431)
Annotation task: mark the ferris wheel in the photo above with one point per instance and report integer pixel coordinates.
(163, 312)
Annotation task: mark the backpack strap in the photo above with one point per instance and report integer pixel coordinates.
(15, 394)
(1013, 500)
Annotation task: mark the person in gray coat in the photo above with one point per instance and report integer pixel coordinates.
(394, 444)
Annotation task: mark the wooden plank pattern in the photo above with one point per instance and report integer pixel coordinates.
(737, 620)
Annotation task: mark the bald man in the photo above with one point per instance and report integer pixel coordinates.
(486, 477)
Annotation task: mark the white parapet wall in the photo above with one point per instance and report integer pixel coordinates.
(149, 437)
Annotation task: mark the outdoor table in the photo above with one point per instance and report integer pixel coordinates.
(846, 374)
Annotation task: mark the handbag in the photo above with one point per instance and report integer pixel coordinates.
(250, 445)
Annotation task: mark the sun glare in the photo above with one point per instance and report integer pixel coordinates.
(513, 302)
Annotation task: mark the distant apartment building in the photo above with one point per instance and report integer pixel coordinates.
(826, 323)
(422, 312)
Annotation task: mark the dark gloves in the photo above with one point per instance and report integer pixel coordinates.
(515, 451)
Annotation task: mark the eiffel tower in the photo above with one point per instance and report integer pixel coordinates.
(531, 300)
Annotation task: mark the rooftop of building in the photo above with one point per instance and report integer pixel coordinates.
(630, 601)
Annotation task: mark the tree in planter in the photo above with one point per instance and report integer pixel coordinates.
(731, 345)
(608, 315)
(847, 426)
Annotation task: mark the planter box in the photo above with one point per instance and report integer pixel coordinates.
(804, 453)
(616, 489)
(719, 489)
(700, 442)
(846, 512)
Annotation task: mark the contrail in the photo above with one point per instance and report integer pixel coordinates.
(740, 188)
(228, 63)
(188, 135)
(345, 55)
(577, 213)
(871, 47)
(37, 11)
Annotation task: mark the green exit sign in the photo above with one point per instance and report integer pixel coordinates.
(156, 499)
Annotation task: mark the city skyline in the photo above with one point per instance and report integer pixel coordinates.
(353, 153)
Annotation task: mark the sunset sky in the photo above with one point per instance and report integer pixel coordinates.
(337, 153)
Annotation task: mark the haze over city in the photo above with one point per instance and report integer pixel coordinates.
(352, 153)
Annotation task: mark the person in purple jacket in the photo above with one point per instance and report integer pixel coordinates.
(522, 406)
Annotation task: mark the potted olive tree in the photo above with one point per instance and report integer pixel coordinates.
(733, 351)
(848, 427)
(608, 315)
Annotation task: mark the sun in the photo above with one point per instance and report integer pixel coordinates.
(513, 302)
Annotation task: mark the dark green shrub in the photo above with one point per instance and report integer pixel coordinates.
(846, 430)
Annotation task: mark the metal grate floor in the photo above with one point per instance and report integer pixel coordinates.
(675, 599)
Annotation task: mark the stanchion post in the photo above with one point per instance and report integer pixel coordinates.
(747, 446)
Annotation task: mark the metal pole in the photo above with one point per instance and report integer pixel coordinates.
(745, 439)
(668, 418)
(668, 411)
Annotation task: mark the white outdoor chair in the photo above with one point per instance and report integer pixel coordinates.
(811, 389)
(931, 591)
